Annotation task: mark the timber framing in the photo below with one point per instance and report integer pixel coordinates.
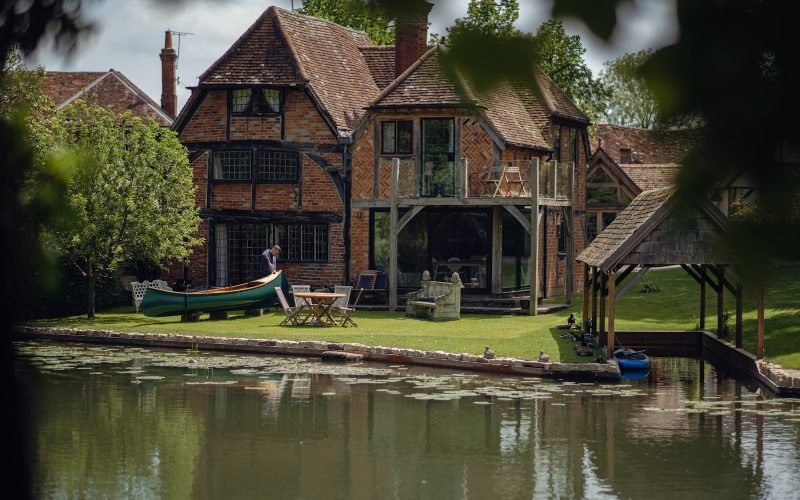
(633, 241)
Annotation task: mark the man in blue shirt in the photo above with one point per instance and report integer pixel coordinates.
(268, 264)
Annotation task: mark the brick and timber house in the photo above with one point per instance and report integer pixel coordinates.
(627, 161)
(353, 157)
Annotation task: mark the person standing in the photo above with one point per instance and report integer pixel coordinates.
(269, 261)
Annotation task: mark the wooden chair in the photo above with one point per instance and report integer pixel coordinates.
(492, 181)
(514, 178)
(292, 313)
(301, 289)
(342, 306)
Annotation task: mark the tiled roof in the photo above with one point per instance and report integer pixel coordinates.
(347, 74)
(646, 145)
(337, 71)
(651, 176)
(557, 100)
(110, 89)
(517, 112)
(380, 59)
(259, 56)
(631, 220)
(285, 48)
(61, 85)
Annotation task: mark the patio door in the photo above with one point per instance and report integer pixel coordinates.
(438, 157)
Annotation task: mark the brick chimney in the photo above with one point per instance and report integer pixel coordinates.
(169, 59)
(411, 38)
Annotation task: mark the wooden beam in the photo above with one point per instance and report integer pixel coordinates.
(497, 250)
(635, 279)
(406, 218)
(739, 307)
(533, 265)
(719, 271)
(692, 274)
(585, 309)
(612, 311)
(393, 234)
(603, 294)
(702, 303)
(624, 274)
(760, 332)
(703, 272)
(595, 287)
(517, 214)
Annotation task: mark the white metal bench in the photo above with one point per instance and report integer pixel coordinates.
(139, 288)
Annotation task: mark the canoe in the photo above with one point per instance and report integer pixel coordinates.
(256, 294)
(629, 359)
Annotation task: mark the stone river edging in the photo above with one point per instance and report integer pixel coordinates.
(315, 348)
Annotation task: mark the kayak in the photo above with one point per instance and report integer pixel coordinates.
(256, 294)
(629, 359)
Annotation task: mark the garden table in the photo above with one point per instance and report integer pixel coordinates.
(319, 307)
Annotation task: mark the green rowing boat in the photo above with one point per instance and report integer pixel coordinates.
(255, 294)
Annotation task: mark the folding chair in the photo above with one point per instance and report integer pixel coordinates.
(514, 177)
(492, 181)
(291, 312)
(342, 306)
(301, 289)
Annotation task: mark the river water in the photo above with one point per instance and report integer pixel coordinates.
(121, 422)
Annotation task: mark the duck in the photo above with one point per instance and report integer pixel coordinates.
(488, 353)
(544, 358)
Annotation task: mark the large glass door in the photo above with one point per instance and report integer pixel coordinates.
(438, 157)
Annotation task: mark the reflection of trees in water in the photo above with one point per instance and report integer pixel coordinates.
(289, 440)
(121, 440)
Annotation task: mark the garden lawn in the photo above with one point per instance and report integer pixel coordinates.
(676, 307)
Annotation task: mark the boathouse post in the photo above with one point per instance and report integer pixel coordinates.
(603, 293)
(702, 298)
(569, 227)
(393, 212)
(739, 294)
(594, 299)
(760, 340)
(585, 309)
(612, 309)
(720, 272)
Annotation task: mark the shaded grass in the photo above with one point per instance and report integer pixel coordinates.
(675, 308)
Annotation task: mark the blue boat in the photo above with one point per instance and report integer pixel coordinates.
(630, 359)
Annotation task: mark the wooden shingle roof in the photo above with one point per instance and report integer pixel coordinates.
(649, 231)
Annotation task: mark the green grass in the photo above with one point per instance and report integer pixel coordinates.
(676, 307)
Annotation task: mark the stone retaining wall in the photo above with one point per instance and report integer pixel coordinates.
(441, 359)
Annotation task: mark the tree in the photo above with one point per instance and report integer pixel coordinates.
(560, 56)
(354, 14)
(490, 24)
(631, 102)
(490, 17)
(131, 195)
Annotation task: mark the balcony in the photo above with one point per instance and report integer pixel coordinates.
(447, 182)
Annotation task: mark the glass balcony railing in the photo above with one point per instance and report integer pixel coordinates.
(475, 179)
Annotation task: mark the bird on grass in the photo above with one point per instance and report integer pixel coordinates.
(544, 358)
(488, 353)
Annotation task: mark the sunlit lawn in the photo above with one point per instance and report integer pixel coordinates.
(676, 307)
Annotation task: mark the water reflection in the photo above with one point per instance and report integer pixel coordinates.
(291, 428)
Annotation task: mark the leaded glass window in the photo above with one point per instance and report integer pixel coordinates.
(256, 101)
(278, 166)
(240, 101)
(232, 165)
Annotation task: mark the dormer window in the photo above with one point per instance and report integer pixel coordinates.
(256, 101)
(625, 155)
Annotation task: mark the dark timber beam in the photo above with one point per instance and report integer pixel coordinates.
(594, 300)
(612, 312)
(585, 310)
(719, 271)
(760, 332)
(739, 294)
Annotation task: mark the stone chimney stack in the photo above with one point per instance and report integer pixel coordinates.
(169, 60)
(411, 38)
